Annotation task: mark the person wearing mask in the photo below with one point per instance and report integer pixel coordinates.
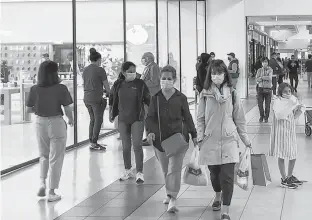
(277, 71)
(264, 91)
(127, 99)
(45, 57)
(202, 71)
(46, 100)
(293, 66)
(233, 68)
(220, 120)
(212, 55)
(308, 68)
(198, 61)
(151, 77)
(174, 113)
(95, 80)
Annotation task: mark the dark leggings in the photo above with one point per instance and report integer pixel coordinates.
(222, 179)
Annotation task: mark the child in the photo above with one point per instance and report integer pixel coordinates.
(286, 109)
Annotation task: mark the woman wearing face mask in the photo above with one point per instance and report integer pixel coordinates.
(286, 109)
(220, 121)
(175, 117)
(264, 90)
(127, 99)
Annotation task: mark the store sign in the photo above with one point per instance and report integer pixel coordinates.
(250, 27)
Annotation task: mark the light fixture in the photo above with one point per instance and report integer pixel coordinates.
(137, 35)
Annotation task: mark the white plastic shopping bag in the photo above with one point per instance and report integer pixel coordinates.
(243, 171)
(194, 174)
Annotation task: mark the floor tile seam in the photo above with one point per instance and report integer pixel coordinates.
(282, 209)
(206, 209)
(246, 202)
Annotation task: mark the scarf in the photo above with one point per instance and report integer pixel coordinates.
(221, 96)
(284, 107)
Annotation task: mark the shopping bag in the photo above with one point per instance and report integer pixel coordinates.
(194, 174)
(260, 170)
(243, 171)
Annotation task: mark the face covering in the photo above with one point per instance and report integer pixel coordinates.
(166, 84)
(217, 79)
(130, 76)
(229, 58)
(286, 96)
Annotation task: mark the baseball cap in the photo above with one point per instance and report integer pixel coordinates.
(231, 54)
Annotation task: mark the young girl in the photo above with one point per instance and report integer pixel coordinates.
(286, 109)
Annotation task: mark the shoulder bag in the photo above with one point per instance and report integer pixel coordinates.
(175, 143)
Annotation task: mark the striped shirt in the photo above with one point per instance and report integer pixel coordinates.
(264, 77)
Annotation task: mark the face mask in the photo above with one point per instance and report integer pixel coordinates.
(144, 62)
(217, 79)
(130, 76)
(166, 84)
(229, 58)
(286, 96)
(265, 64)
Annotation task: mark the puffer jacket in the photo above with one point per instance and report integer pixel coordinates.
(219, 126)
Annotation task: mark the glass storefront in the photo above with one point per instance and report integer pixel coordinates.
(64, 31)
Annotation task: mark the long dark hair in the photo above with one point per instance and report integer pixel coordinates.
(124, 67)
(217, 66)
(48, 74)
(94, 55)
(204, 60)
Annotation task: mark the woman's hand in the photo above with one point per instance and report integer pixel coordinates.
(249, 145)
(111, 117)
(70, 122)
(195, 142)
(150, 138)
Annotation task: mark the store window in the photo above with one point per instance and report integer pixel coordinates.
(201, 36)
(26, 40)
(163, 32)
(140, 30)
(100, 26)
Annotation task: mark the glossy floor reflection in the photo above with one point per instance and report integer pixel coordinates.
(90, 190)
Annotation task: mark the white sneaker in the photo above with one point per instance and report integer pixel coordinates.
(166, 200)
(172, 207)
(54, 198)
(127, 175)
(139, 178)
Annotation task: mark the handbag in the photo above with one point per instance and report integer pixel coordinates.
(175, 143)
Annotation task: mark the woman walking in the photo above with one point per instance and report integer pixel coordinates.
(45, 100)
(128, 96)
(220, 120)
(174, 117)
(264, 91)
(286, 110)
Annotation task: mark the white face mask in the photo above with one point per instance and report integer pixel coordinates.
(217, 79)
(130, 76)
(286, 96)
(166, 84)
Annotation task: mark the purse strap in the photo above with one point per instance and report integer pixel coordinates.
(158, 118)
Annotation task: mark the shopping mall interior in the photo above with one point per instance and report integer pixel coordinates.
(176, 32)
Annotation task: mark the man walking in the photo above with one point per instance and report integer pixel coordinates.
(308, 67)
(293, 66)
(233, 68)
(151, 77)
(277, 71)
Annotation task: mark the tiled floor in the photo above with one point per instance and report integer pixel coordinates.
(91, 193)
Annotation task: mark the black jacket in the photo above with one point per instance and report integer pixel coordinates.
(145, 98)
(172, 113)
(201, 76)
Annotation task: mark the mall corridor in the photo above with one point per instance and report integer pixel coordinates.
(91, 189)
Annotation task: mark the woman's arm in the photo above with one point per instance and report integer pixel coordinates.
(201, 118)
(240, 120)
(69, 114)
(152, 117)
(31, 101)
(146, 94)
(258, 75)
(188, 118)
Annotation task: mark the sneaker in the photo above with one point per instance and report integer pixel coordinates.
(216, 206)
(97, 147)
(225, 217)
(167, 200)
(42, 191)
(172, 207)
(286, 183)
(54, 198)
(294, 180)
(127, 175)
(266, 120)
(139, 178)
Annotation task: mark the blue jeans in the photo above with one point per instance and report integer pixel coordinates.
(135, 132)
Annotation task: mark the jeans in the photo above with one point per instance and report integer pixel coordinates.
(96, 111)
(274, 84)
(135, 131)
(222, 179)
(266, 98)
(292, 78)
(309, 75)
(172, 168)
(51, 137)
